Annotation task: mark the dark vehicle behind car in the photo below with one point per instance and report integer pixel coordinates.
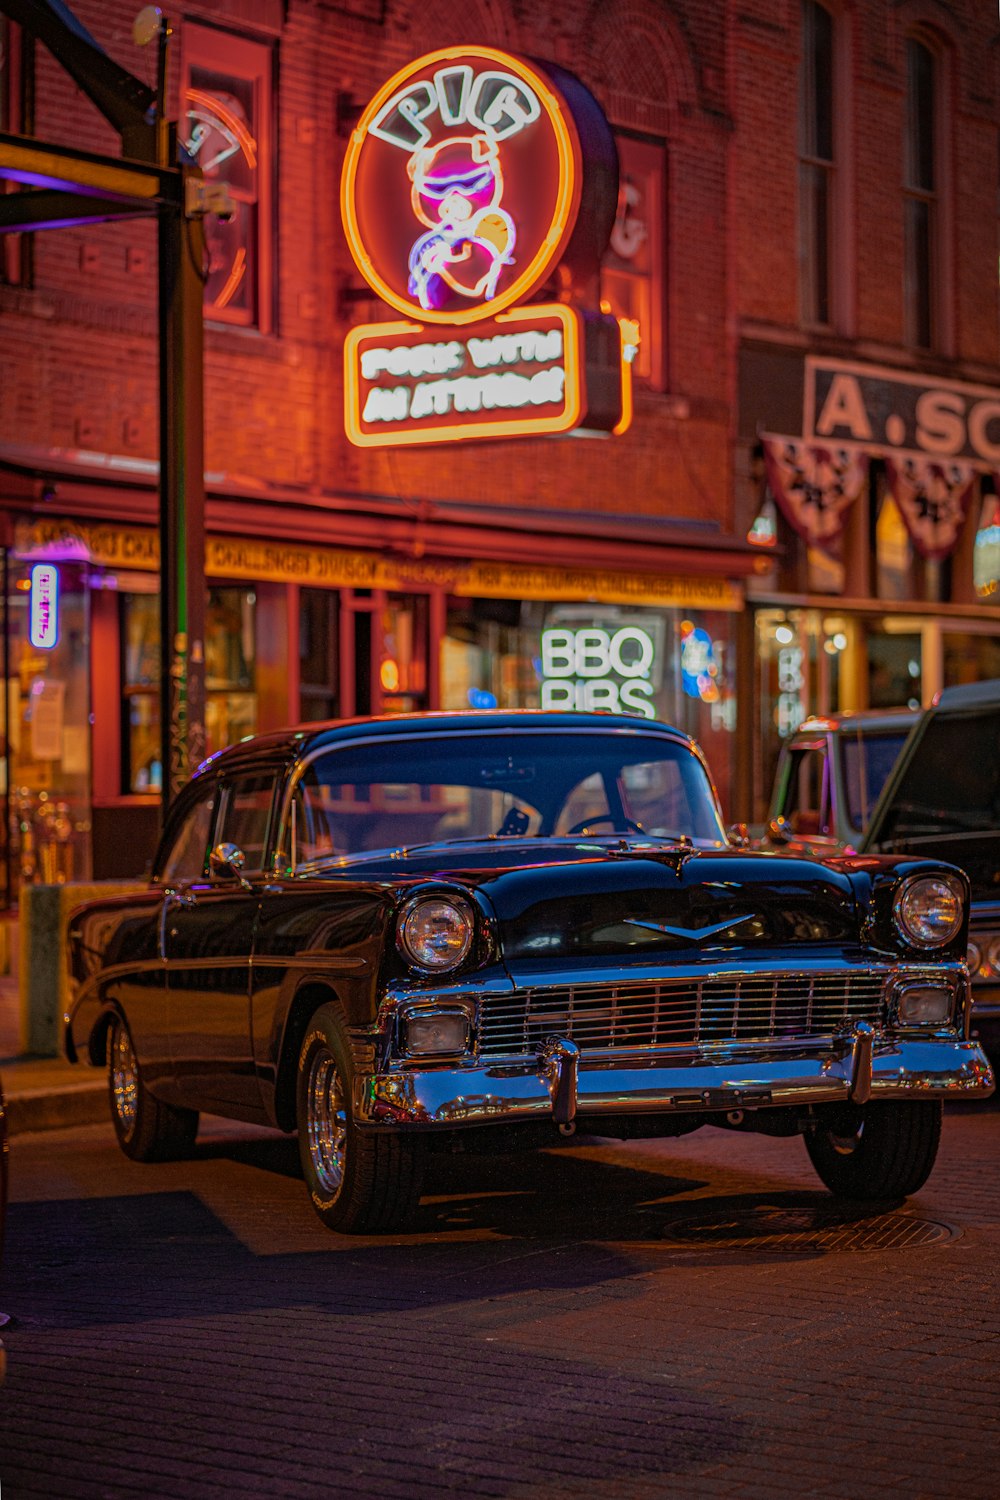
(386, 935)
(829, 776)
(943, 799)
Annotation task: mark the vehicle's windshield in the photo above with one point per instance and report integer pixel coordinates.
(952, 783)
(396, 793)
(868, 759)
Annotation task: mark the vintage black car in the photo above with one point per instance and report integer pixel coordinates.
(390, 934)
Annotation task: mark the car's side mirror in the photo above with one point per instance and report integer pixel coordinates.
(228, 860)
(739, 835)
(780, 831)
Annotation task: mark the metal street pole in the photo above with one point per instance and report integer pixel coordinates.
(182, 496)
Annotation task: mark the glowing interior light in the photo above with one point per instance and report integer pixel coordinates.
(784, 635)
(840, 641)
(43, 606)
(389, 675)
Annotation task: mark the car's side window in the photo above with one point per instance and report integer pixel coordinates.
(807, 801)
(188, 854)
(244, 817)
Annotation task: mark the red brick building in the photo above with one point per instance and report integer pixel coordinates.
(807, 236)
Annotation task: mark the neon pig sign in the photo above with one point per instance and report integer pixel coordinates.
(460, 195)
(461, 185)
(43, 607)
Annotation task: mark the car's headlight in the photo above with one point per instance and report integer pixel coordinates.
(929, 910)
(435, 933)
(983, 957)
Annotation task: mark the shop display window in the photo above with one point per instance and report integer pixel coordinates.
(140, 643)
(227, 110)
(319, 655)
(230, 666)
(402, 666)
(230, 671)
(986, 551)
(48, 726)
(667, 664)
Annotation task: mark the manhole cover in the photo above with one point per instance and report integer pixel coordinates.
(808, 1229)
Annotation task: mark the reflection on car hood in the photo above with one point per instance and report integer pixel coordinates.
(581, 898)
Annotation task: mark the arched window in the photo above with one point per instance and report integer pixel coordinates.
(817, 153)
(921, 196)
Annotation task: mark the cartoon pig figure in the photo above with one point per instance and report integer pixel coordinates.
(457, 187)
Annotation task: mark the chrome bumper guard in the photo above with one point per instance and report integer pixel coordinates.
(559, 1083)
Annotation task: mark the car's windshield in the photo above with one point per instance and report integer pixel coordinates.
(952, 783)
(397, 792)
(868, 759)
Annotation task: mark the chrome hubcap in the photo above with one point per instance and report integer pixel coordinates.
(326, 1123)
(124, 1079)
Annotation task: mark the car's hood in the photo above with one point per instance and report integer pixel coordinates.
(557, 899)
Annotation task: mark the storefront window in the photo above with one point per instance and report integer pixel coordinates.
(140, 638)
(969, 657)
(893, 551)
(48, 722)
(665, 664)
(319, 657)
(230, 688)
(895, 665)
(230, 666)
(986, 551)
(403, 660)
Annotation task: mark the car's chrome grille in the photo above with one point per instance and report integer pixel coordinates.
(681, 1012)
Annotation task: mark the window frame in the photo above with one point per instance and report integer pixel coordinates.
(651, 164)
(819, 305)
(923, 267)
(250, 61)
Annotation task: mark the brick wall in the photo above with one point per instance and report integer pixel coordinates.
(718, 82)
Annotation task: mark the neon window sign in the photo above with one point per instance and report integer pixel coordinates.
(43, 606)
(591, 667)
(462, 156)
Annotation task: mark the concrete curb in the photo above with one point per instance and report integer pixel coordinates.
(57, 1109)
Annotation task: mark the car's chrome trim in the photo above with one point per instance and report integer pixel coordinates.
(476, 1094)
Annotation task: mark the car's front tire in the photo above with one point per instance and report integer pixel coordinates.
(147, 1129)
(359, 1182)
(880, 1150)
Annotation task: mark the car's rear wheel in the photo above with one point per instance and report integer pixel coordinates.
(359, 1182)
(881, 1150)
(147, 1129)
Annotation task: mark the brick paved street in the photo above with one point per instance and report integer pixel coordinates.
(570, 1324)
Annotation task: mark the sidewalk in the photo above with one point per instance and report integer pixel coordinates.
(43, 1093)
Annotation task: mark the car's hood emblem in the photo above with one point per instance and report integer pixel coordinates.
(693, 934)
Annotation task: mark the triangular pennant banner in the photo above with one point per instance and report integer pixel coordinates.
(814, 486)
(933, 499)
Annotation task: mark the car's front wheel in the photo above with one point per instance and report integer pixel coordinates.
(359, 1182)
(147, 1129)
(881, 1150)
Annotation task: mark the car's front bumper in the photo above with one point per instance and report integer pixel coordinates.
(561, 1084)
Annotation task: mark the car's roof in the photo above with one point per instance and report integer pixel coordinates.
(862, 720)
(291, 743)
(969, 695)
